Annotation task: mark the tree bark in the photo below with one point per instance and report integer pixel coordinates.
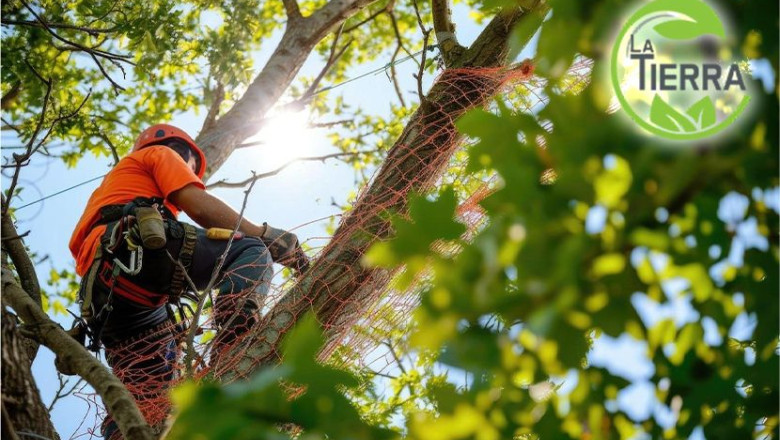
(23, 409)
(72, 358)
(413, 164)
(243, 120)
(444, 29)
(17, 252)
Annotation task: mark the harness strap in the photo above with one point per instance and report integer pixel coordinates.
(129, 290)
(88, 284)
(178, 280)
(112, 213)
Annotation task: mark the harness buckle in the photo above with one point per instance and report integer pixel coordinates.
(135, 263)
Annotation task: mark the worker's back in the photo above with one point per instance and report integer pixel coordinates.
(154, 171)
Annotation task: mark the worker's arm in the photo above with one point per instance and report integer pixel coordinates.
(211, 212)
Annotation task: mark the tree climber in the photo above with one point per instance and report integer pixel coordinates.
(136, 259)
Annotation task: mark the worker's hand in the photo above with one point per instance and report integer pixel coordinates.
(285, 248)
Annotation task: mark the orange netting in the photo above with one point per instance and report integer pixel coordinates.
(344, 294)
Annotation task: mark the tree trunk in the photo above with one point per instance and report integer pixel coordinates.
(413, 164)
(219, 140)
(23, 409)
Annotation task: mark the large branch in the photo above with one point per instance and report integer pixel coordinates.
(73, 358)
(414, 163)
(445, 31)
(13, 246)
(243, 120)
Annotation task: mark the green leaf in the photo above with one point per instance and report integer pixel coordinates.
(702, 112)
(666, 117)
(428, 222)
(475, 349)
(524, 31)
(609, 264)
(612, 184)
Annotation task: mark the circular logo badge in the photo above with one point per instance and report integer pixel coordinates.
(670, 71)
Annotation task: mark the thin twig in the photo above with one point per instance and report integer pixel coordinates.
(389, 345)
(426, 35)
(333, 56)
(60, 392)
(398, 37)
(8, 126)
(370, 17)
(330, 124)
(419, 76)
(214, 276)
(23, 159)
(117, 88)
(399, 47)
(20, 159)
(256, 177)
(190, 343)
(111, 146)
(92, 51)
(15, 237)
(91, 31)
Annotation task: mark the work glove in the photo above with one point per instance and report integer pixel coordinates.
(285, 248)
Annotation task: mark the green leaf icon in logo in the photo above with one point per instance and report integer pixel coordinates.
(670, 29)
(697, 19)
(666, 117)
(703, 113)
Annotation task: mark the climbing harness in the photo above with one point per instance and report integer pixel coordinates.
(119, 261)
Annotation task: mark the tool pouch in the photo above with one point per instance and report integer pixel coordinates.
(151, 227)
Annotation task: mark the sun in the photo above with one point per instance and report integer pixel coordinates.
(285, 136)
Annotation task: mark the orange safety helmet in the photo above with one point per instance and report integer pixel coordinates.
(161, 132)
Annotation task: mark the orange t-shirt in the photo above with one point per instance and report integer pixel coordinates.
(154, 171)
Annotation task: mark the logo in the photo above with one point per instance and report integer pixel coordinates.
(671, 71)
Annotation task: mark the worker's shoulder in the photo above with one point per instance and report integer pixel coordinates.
(149, 155)
(141, 159)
